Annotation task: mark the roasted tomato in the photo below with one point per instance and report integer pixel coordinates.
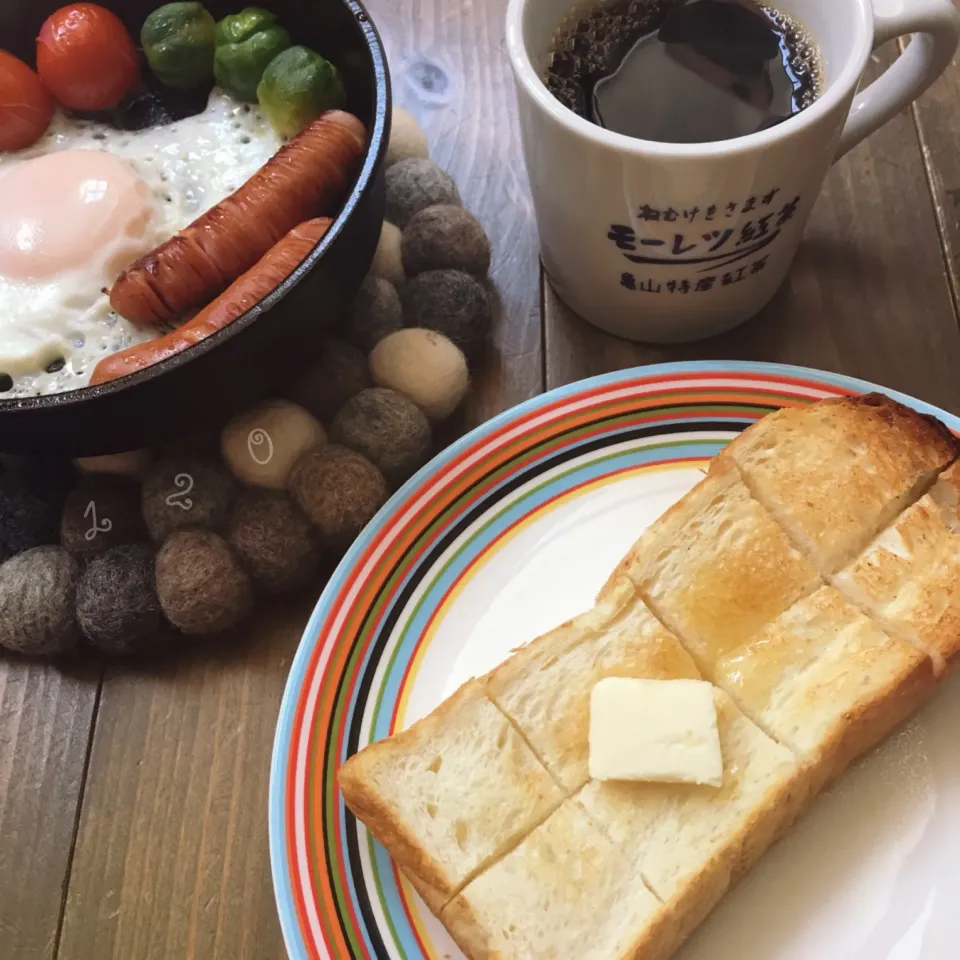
(25, 105)
(86, 58)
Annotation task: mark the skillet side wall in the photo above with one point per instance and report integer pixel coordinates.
(264, 350)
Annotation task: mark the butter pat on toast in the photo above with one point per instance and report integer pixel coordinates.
(545, 687)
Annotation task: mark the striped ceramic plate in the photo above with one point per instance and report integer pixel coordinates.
(506, 534)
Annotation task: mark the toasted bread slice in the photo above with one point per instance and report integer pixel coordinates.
(690, 842)
(716, 568)
(835, 473)
(825, 681)
(545, 687)
(451, 794)
(908, 579)
(565, 891)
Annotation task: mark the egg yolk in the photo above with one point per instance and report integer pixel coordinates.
(69, 210)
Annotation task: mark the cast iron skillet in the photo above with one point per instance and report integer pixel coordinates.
(266, 347)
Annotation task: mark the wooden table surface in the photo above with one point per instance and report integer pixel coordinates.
(133, 801)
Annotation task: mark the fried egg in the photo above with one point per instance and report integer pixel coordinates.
(83, 203)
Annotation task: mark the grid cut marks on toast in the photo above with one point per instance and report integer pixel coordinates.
(716, 568)
(835, 473)
(688, 842)
(451, 794)
(908, 578)
(564, 887)
(825, 681)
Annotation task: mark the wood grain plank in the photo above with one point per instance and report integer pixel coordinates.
(449, 68)
(935, 116)
(45, 721)
(172, 856)
(867, 296)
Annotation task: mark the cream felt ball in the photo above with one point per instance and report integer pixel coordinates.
(407, 138)
(424, 366)
(261, 445)
(388, 260)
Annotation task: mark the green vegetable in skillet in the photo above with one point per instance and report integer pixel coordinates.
(297, 86)
(246, 42)
(177, 39)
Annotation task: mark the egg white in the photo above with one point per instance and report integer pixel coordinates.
(188, 167)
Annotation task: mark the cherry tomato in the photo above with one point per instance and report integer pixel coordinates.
(25, 105)
(86, 58)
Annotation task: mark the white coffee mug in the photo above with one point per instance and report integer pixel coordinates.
(668, 242)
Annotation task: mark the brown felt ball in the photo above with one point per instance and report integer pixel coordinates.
(339, 490)
(388, 429)
(102, 512)
(376, 313)
(274, 541)
(201, 585)
(415, 184)
(445, 238)
(340, 374)
(38, 600)
(451, 302)
(184, 492)
(117, 605)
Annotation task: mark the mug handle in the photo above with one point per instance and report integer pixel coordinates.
(935, 26)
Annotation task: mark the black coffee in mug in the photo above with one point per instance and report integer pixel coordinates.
(684, 71)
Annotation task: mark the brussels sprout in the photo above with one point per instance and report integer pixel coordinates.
(297, 86)
(246, 43)
(177, 39)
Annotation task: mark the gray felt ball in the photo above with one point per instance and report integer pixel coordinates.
(388, 429)
(340, 374)
(376, 313)
(102, 512)
(452, 303)
(339, 490)
(274, 541)
(117, 605)
(445, 238)
(26, 519)
(37, 602)
(415, 184)
(201, 585)
(184, 492)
